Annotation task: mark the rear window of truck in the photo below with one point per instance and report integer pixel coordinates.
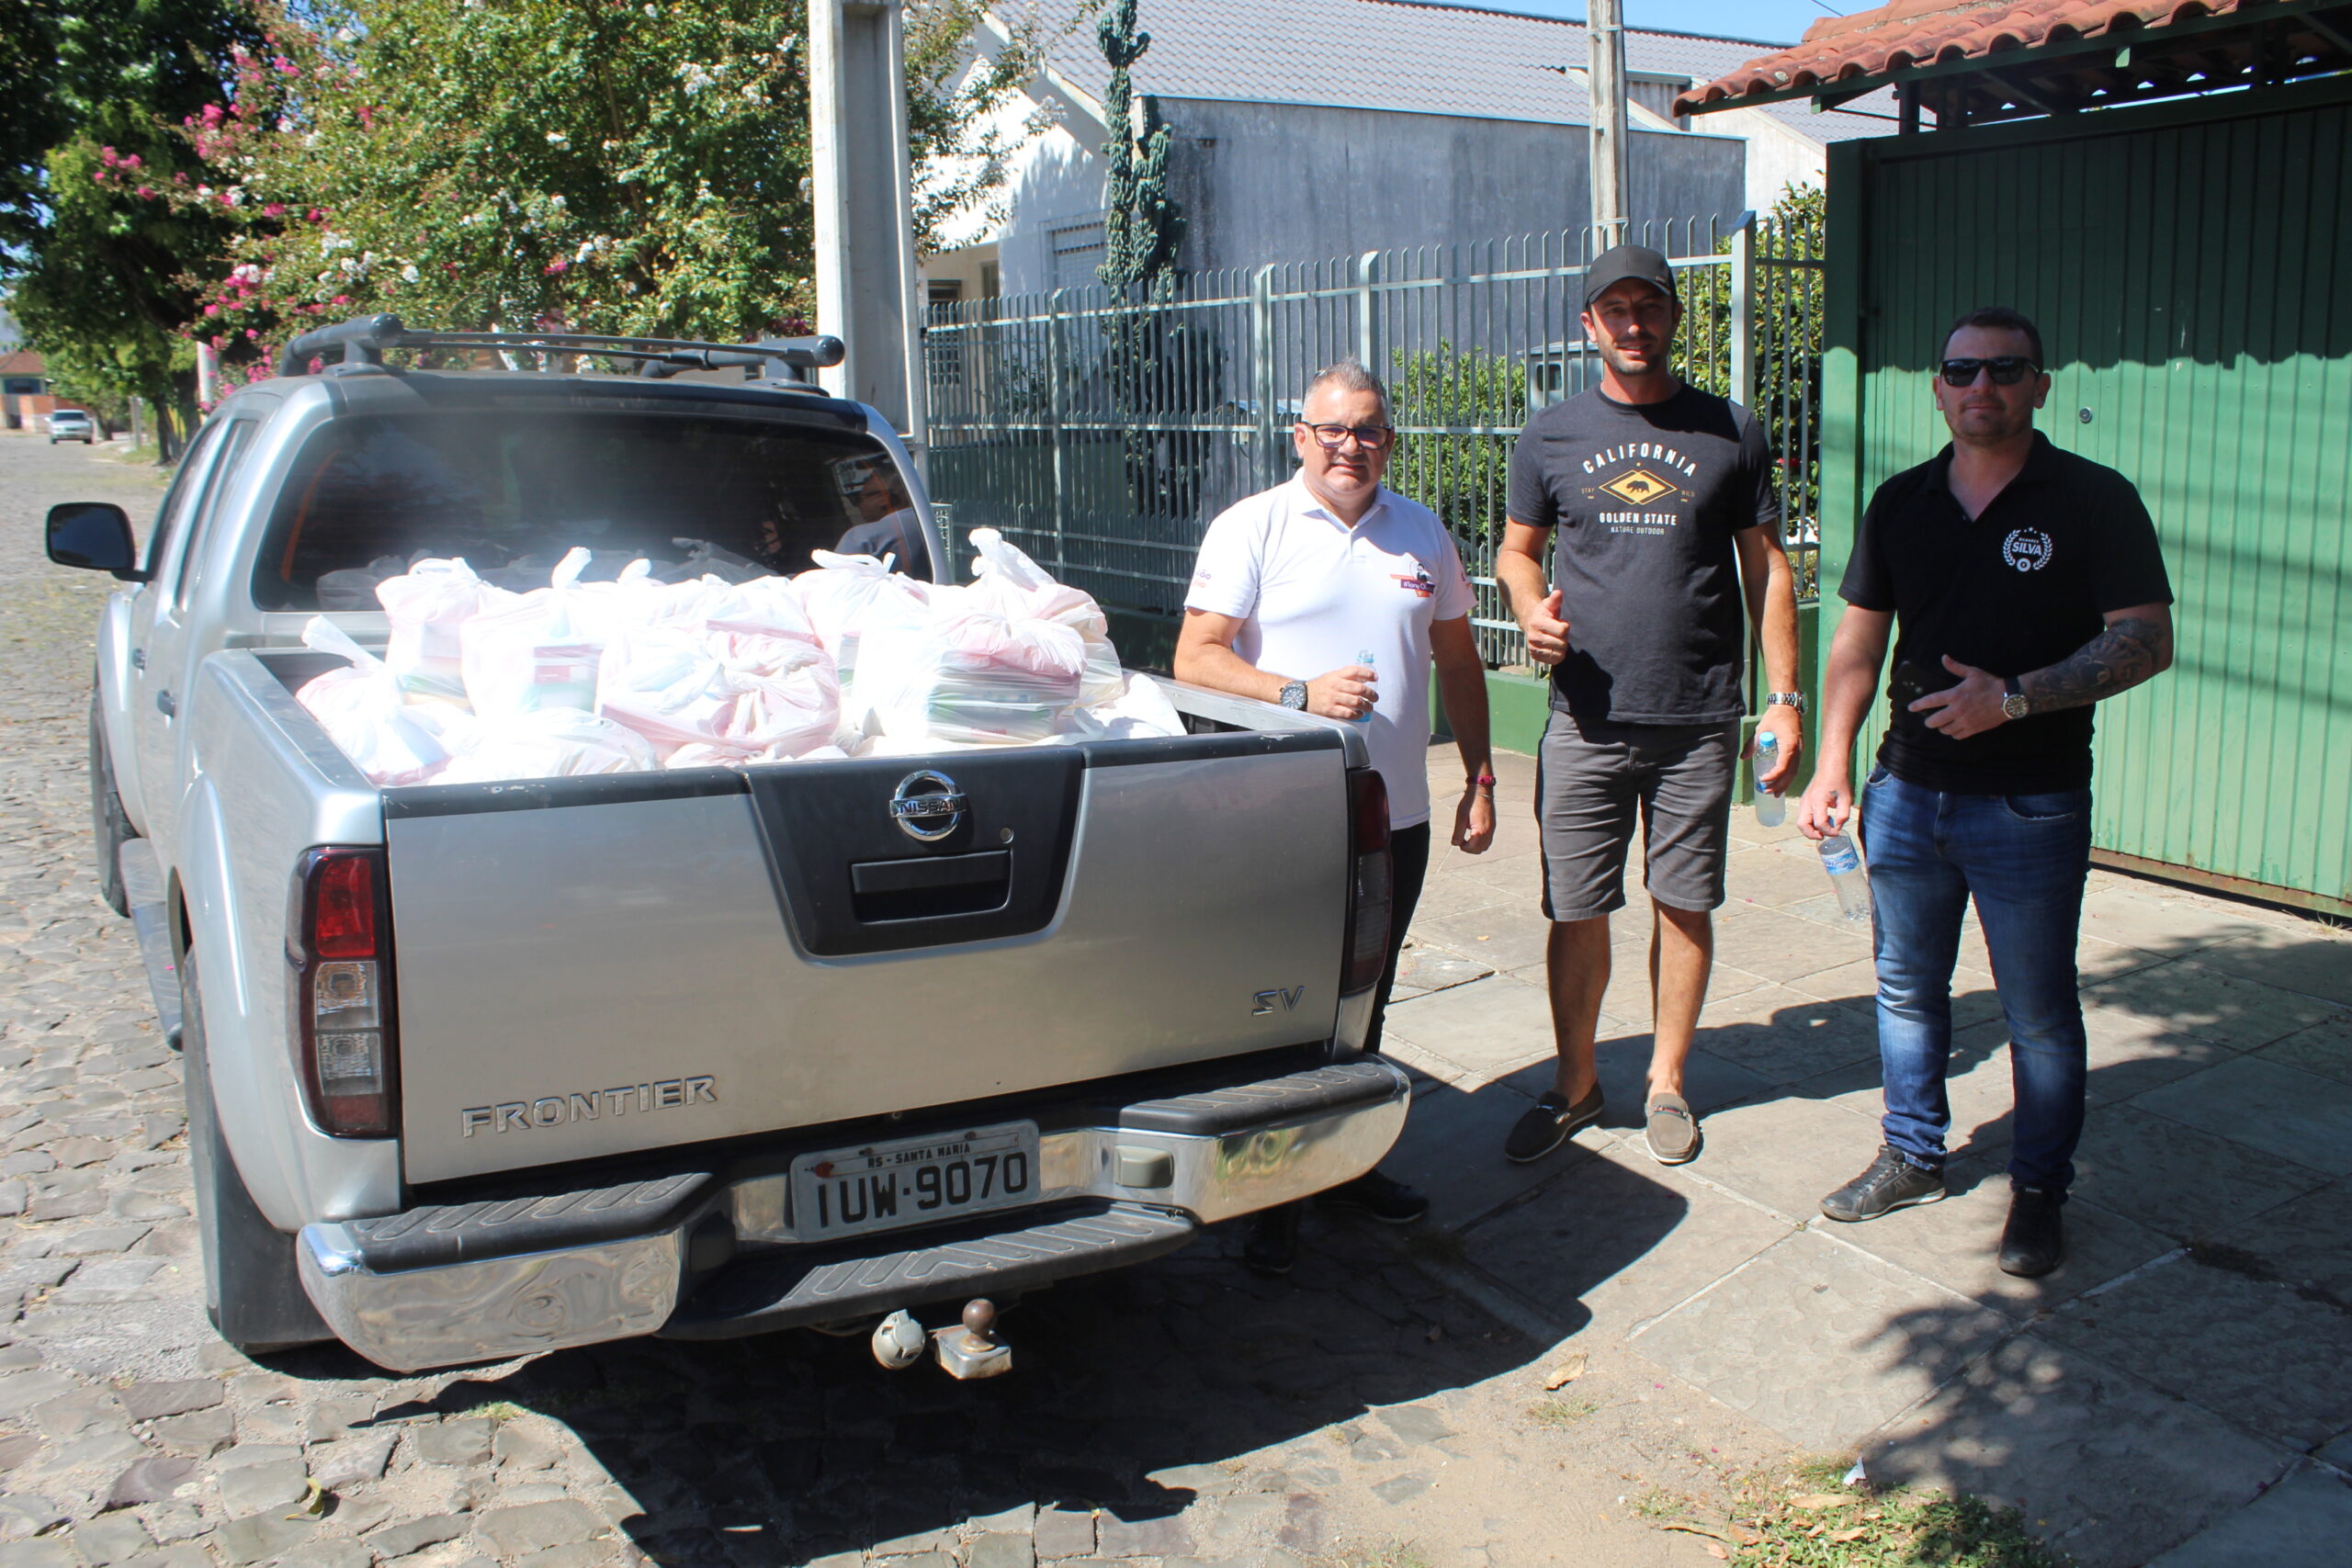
(511, 491)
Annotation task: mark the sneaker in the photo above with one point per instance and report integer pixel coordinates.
(1377, 1197)
(1891, 1182)
(1550, 1122)
(1671, 1130)
(1271, 1246)
(2034, 1241)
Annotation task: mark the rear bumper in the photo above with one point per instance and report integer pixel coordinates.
(709, 1254)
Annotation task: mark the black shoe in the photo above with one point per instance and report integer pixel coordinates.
(1377, 1197)
(1891, 1182)
(2034, 1241)
(1271, 1246)
(1550, 1122)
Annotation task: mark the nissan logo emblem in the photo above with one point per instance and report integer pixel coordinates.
(927, 805)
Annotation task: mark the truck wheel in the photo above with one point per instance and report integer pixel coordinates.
(110, 829)
(253, 1292)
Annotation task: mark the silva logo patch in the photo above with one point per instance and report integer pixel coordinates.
(2026, 549)
(1640, 487)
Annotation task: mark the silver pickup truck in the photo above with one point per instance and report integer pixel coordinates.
(474, 1070)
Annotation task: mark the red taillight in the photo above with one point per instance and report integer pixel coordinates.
(340, 992)
(344, 925)
(1366, 957)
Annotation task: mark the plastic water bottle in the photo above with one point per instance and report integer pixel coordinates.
(1844, 865)
(1363, 657)
(1771, 810)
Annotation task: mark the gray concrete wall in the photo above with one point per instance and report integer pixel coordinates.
(1280, 182)
(1262, 183)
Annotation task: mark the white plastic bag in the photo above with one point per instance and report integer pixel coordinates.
(744, 693)
(1006, 581)
(967, 677)
(539, 651)
(847, 596)
(361, 710)
(427, 605)
(551, 743)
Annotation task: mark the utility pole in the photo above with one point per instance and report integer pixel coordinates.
(1605, 85)
(861, 187)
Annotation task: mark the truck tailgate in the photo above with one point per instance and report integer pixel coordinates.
(597, 965)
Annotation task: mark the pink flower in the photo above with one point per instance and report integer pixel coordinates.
(131, 162)
(318, 215)
(275, 209)
(212, 310)
(212, 114)
(146, 193)
(285, 66)
(557, 265)
(343, 299)
(253, 333)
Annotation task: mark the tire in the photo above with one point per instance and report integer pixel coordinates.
(110, 826)
(253, 1292)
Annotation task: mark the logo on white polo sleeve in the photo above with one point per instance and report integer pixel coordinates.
(2026, 549)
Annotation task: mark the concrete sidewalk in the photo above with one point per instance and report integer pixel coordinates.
(2145, 1403)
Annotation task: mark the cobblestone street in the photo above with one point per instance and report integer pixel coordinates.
(1578, 1361)
(1186, 1412)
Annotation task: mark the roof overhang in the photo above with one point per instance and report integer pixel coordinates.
(1978, 60)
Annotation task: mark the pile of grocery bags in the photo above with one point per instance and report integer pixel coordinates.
(480, 683)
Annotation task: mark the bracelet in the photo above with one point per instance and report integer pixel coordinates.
(1484, 781)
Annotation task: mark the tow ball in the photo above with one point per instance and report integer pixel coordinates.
(967, 1350)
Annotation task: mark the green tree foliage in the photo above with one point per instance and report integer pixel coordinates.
(1789, 321)
(600, 167)
(1482, 399)
(1162, 375)
(101, 270)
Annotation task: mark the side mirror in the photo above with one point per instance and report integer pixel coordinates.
(96, 535)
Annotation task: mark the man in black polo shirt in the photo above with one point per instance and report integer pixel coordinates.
(2023, 585)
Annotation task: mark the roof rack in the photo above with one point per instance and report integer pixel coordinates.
(364, 339)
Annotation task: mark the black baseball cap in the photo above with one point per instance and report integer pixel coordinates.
(1622, 261)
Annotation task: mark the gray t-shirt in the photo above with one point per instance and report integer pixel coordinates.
(1644, 499)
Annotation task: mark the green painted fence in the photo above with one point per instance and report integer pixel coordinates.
(2190, 267)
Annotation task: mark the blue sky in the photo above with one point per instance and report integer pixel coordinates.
(1774, 21)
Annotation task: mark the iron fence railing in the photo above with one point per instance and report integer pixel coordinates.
(1103, 435)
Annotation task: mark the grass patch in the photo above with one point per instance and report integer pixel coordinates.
(1561, 1412)
(1814, 1520)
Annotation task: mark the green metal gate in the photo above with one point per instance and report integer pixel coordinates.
(2191, 267)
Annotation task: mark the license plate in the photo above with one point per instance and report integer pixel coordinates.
(912, 1181)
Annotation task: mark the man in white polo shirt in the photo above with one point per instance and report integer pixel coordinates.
(1334, 595)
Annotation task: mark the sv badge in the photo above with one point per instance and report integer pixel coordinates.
(1265, 1000)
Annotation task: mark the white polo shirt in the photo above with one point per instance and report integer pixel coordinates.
(1314, 593)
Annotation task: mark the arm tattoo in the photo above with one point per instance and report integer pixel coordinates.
(2128, 652)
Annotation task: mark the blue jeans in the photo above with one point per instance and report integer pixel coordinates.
(2024, 858)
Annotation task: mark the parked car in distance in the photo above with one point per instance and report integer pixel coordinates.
(72, 425)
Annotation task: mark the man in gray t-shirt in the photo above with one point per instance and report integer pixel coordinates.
(1657, 505)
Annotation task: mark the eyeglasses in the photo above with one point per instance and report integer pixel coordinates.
(2008, 370)
(1370, 437)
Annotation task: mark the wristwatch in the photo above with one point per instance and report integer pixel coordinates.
(1785, 699)
(1295, 694)
(2013, 699)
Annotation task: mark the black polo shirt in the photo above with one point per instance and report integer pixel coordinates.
(2021, 586)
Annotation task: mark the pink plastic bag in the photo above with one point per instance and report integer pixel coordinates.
(847, 596)
(743, 693)
(1007, 582)
(551, 743)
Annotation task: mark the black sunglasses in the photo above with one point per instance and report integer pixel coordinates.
(1370, 437)
(2008, 370)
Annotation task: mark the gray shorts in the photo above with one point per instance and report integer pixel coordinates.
(1591, 780)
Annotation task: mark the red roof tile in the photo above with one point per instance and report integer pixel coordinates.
(1850, 49)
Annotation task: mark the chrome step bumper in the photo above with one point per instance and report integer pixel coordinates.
(697, 1255)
